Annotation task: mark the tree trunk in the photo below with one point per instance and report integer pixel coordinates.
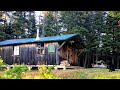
(93, 59)
(85, 64)
(113, 59)
(96, 56)
(88, 61)
(118, 62)
(83, 59)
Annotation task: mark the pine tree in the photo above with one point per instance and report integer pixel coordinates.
(4, 32)
(51, 25)
(89, 25)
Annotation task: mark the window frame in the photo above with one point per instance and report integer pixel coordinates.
(40, 48)
(16, 50)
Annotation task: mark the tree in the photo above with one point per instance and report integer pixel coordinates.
(115, 33)
(114, 14)
(4, 25)
(51, 24)
(22, 24)
(89, 24)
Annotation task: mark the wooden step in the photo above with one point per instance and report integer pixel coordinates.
(66, 67)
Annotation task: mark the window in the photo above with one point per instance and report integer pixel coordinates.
(40, 48)
(16, 50)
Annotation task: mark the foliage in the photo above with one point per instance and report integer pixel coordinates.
(50, 68)
(1, 61)
(89, 24)
(15, 72)
(46, 73)
(51, 26)
(91, 73)
(21, 24)
(114, 14)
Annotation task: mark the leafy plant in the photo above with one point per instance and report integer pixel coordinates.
(46, 73)
(1, 63)
(50, 68)
(15, 72)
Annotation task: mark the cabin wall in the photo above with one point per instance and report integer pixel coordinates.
(69, 53)
(63, 53)
(27, 54)
(6, 54)
(51, 58)
(72, 56)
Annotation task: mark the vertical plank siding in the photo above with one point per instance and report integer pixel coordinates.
(57, 55)
(51, 57)
(69, 53)
(5, 53)
(63, 53)
(28, 54)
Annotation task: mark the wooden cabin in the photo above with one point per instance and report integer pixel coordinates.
(45, 50)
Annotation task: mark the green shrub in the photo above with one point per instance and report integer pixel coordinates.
(15, 72)
(50, 68)
(46, 73)
(1, 63)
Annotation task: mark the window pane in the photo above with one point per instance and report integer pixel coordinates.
(40, 48)
(16, 50)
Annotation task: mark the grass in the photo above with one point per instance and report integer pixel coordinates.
(91, 73)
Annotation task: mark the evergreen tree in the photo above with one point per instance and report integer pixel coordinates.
(89, 25)
(51, 25)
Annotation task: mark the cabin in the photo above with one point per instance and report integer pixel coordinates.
(44, 50)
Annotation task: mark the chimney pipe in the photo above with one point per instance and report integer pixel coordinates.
(37, 36)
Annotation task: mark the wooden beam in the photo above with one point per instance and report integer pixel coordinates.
(81, 50)
(67, 54)
(61, 45)
(57, 55)
(66, 67)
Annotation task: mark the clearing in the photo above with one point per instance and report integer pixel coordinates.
(91, 73)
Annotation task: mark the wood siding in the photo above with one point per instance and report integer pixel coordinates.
(28, 54)
(6, 54)
(51, 58)
(69, 53)
(72, 56)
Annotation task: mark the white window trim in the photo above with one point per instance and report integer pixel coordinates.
(16, 50)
